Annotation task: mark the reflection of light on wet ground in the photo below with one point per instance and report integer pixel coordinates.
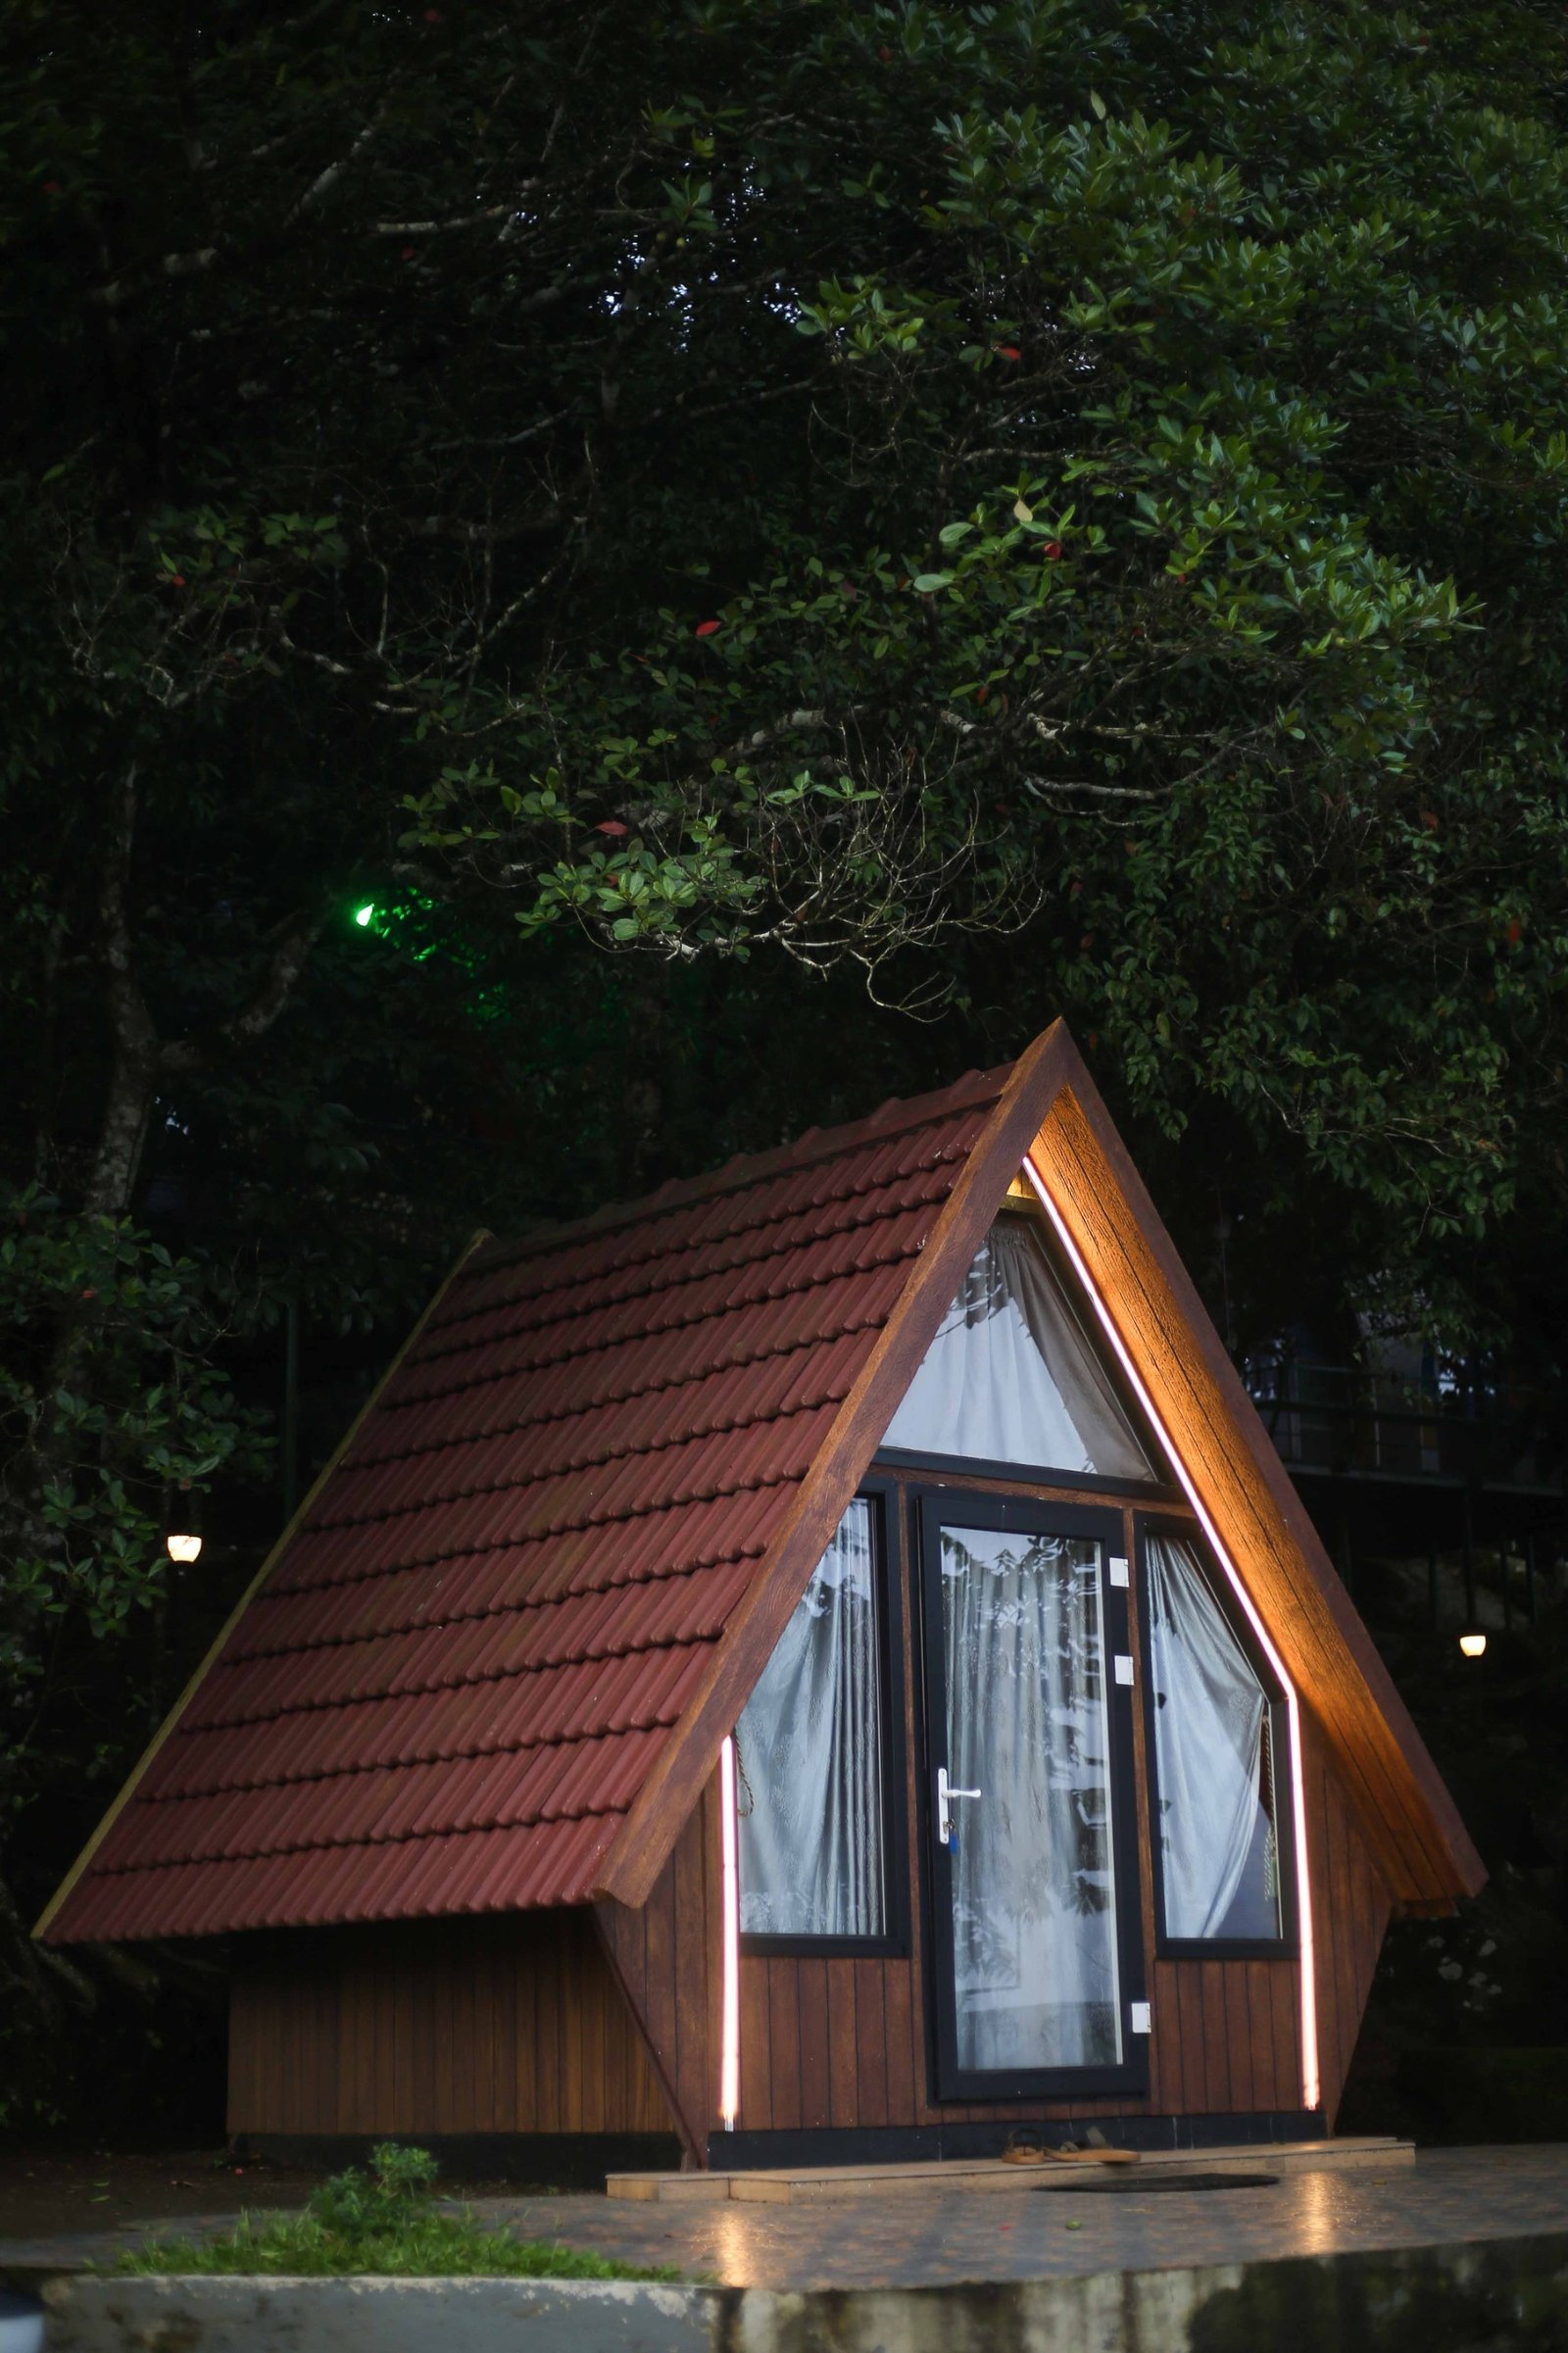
(1317, 2213)
(734, 2256)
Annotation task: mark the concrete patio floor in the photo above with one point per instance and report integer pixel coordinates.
(929, 2238)
(935, 2238)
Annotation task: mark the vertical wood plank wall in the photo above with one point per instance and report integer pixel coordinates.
(1351, 1906)
(667, 1960)
(507, 2024)
(843, 2043)
(606, 2020)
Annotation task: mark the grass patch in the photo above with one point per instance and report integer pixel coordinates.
(384, 2221)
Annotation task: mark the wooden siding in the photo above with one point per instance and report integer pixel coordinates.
(1226, 2041)
(844, 2043)
(666, 1957)
(507, 2024)
(574, 2021)
(518, 2025)
(1350, 1909)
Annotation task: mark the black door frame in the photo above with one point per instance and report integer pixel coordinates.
(934, 1507)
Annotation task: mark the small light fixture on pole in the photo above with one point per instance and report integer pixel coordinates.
(182, 1535)
(1472, 1642)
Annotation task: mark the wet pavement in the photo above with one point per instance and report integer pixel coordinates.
(928, 2237)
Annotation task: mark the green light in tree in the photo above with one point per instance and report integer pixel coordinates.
(395, 924)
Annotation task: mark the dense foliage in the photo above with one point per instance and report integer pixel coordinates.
(673, 512)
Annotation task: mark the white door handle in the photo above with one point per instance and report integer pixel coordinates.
(944, 1797)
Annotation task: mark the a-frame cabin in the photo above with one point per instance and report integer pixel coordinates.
(823, 1664)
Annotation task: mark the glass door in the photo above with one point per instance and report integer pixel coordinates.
(1037, 1960)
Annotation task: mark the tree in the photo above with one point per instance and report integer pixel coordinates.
(732, 514)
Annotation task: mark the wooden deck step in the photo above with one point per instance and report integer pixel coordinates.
(784, 2186)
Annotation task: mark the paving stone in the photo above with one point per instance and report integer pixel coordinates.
(934, 2238)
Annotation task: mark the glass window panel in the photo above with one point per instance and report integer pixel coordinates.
(1034, 1892)
(1213, 1760)
(1011, 1376)
(809, 1758)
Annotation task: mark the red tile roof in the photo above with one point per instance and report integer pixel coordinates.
(462, 1665)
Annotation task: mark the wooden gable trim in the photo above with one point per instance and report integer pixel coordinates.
(51, 1910)
(655, 1821)
(1407, 1813)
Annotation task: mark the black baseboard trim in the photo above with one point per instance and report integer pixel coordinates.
(548, 2160)
(739, 2152)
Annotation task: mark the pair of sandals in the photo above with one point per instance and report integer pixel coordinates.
(1028, 2148)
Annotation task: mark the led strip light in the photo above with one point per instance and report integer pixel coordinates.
(1312, 2087)
(729, 2046)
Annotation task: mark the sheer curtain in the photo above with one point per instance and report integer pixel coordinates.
(1217, 1848)
(809, 1758)
(1034, 1918)
(1011, 1377)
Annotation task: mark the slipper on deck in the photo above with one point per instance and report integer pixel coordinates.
(1068, 2155)
(1023, 2148)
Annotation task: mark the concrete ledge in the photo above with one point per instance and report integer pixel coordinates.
(379, 2316)
(1503, 2293)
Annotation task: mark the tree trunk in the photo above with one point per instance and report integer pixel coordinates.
(122, 1135)
(137, 1048)
(141, 1057)
(122, 1139)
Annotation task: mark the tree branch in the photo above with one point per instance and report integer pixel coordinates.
(437, 228)
(122, 290)
(484, 535)
(288, 961)
(325, 182)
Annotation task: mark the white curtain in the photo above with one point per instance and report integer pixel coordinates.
(1033, 1899)
(1216, 1841)
(1011, 1377)
(809, 1758)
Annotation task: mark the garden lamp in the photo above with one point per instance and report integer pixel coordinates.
(181, 1536)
